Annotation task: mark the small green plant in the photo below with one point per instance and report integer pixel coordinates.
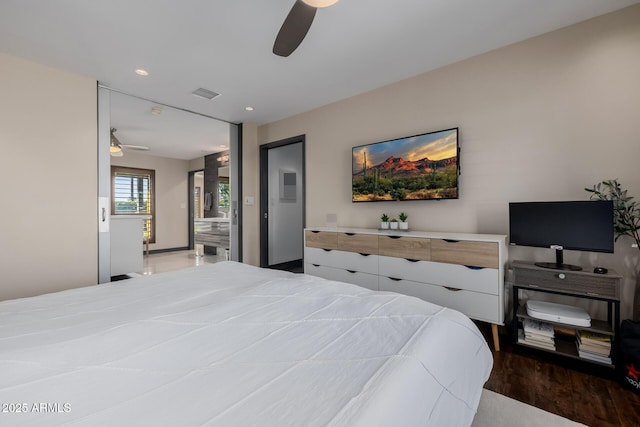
(384, 218)
(626, 211)
(393, 220)
(403, 217)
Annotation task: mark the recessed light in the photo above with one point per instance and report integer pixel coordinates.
(142, 72)
(248, 108)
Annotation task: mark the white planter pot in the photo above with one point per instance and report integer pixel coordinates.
(404, 226)
(393, 225)
(384, 225)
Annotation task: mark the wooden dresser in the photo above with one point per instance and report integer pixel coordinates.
(457, 270)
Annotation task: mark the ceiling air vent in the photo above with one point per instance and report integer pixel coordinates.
(205, 93)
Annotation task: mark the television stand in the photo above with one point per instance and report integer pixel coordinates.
(555, 266)
(566, 285)
(559, 264)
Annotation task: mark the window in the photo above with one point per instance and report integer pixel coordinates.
(133, 193)
(197, 202)
(224, 195)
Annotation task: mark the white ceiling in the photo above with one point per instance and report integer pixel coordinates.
(225, 46)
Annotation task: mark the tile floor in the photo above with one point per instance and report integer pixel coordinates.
(178, 260)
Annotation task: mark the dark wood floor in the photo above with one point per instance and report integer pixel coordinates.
(578, 391)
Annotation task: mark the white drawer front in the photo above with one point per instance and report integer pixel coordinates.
(485, 280)
(341, 259)
(366, 280)
(475, 305)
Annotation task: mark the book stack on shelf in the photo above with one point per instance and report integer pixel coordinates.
(537, 334)
(594, 346)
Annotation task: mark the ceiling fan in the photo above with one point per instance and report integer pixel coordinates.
(115, 146)
(297, 24)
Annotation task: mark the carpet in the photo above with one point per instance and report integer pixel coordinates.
(496, 410)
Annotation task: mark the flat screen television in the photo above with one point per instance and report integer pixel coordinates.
(579, 225)
(418, 167)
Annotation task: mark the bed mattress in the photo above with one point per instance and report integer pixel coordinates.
(234, 345)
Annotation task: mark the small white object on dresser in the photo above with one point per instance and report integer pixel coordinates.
(456, 270)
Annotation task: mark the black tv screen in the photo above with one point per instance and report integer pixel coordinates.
(579, 225)
(419, 167)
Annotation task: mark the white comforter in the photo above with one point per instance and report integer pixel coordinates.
(234, 345)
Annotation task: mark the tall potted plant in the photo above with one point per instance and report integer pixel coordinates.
(626, 211)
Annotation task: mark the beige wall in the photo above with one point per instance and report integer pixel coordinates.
(250, 187)
(172, 196)
(539, 120)
(48, 170)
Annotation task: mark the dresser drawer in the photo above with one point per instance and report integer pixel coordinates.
(475, 305)
(575, 282)
(484, 280)
(321, 239)
(364, 263)
(405, 247)
(464, 252)
(366, 280)
(361, 243)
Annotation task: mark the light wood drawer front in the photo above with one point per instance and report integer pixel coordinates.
(574, 282)
(484, 280)
(475, 305)
(361, 243)
(345, 260)
(404, 247)
(366, 280)
(477, 254)
(321, 239)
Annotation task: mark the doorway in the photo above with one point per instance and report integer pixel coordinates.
(282, 203)
(210, 207)
(163, 135)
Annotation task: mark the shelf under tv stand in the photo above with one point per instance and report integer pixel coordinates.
(582, 284)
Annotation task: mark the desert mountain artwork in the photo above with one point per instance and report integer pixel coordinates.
(413, 168)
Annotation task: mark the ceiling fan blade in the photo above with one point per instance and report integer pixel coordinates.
(294, 28)
(136, 147)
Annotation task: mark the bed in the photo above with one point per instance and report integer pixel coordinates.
(230, 344)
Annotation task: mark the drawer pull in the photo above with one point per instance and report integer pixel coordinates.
(474, 267)
(314, 231)
(395, 279)
(451, 241)
(350, 234)
(452, 289)
(363, 254)
(326, 250)
(593, 294)
(316, 265)
(351, 271)
(394, 237)
(412, 260)
(562, 276)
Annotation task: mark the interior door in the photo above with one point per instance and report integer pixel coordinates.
(282, 200)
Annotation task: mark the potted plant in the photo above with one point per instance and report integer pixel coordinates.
(393, 224)
(404, 225)
(384, 224)
(626, 220)
(626, 211)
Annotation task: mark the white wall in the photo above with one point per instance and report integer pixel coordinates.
(172, 192)
(48, 171)
(539, 120)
